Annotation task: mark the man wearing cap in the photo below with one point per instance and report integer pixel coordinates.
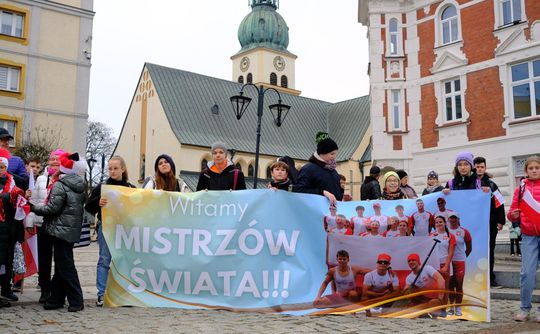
(343, 279)
(371, 189)
(16, 165)
(497, 218)
(426, 279)
(381, 281)
(443, 211)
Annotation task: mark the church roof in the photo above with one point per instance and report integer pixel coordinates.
(188, 99)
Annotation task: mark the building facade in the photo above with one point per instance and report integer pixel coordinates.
(45, 52)
(454, 75)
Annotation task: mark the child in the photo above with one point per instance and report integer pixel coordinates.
(433, 184)
(280, 176)
(34, 165)
(515, 236)
(526, 198)
(342, 183)
(63, 214)
(165, 176)
(118, 176)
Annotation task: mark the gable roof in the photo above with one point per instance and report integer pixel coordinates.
(187, 99)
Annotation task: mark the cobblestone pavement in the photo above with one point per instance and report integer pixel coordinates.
(29, 317)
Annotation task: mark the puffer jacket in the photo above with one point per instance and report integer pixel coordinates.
(39, 194)
(210, 180)
(370, 189)
(314, 178)
(527, 225)
(63, 213)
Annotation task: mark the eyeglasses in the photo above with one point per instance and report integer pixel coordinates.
(383, 262)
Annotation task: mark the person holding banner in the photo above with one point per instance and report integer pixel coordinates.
(447, 247)
(381, 281)
(343, 279)
(220, 173)
(37, 196)
(118, 176)
(433, 184)
(391, 189)
(319, 175)
(525, 208)
(423, 279)
(465, 176)
(63, 216)
(165, 176)
(280, 176)
(462, 251)
(8, 227)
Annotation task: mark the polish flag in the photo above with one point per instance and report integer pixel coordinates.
(530, 206)
(30, 251)
(498, 197)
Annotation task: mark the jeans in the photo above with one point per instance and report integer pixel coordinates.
(103, 263)
(530, 254)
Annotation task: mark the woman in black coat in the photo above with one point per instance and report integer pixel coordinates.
(220, 173)
(319, 175)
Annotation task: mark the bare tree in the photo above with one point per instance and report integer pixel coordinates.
(39, 142)
(100, 143)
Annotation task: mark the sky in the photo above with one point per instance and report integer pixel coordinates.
(201, 36)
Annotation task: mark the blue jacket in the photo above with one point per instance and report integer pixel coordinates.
(313, 178)
(17, 169)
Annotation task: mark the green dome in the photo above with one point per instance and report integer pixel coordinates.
(263, 27)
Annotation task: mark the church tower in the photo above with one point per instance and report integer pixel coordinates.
(264, 58)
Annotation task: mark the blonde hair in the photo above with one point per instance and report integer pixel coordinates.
(530, 160)
(123, 165)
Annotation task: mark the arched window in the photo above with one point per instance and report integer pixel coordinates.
(268, 173)
(393, 31)
(449, 25)
(250, 170)
(273, 79)
(249, 78)
(238, 166)
(204, 164)
(284, 81)
(241, 79)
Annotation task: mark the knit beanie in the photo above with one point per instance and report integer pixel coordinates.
(219, 144)
(169, 160)
(465, 156)
(401, 173)
(387, 175)
(325, 144)
(433, 174)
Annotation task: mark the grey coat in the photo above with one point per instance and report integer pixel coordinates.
(63, 213)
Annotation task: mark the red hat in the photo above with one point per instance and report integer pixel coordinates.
(376, 205)
(4, 156)
(384, 257)
(414, 256)
(71, 164)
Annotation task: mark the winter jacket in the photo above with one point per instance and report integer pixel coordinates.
(17, 169)
(284, 185)
(370, 189)
(528, 226)
(10, 227)
(208, 179)
(150, 183)
(314, 178)
(427, 191)
(496, 215)
(39, 194)
(464, 182)
(92, 206)
(408, 191)
(63, 213)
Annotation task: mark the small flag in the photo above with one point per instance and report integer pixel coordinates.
(530, 206)
(499, 199)
(30, 251)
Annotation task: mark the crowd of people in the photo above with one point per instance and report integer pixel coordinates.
(57, 201)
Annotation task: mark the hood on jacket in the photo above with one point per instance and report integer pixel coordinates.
(211, 163)
(72, 181)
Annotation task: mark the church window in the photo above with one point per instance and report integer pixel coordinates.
(268, 172)
(249, 78)
(251, 170)
(241, 79)
(284, 81)
(449, 25)
(238, 166)
(273, 79)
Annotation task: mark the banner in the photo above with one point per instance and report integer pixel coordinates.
(275, 251)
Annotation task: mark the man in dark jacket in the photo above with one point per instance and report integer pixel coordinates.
(497, 218)
(371, 189)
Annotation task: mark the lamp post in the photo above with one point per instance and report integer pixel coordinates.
(91, 162)
(279, 111)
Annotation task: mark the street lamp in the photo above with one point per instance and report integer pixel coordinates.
(91, 162)
(279, 111)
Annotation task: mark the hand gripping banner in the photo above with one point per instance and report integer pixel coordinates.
(280, 252)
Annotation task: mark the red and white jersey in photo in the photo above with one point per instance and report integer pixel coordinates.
(360, 224)
(336, 230)
(425, 280)
(420, 223)
(391, 234)
(329, 223)
(383, 221)
(446, 240)
(446, 213)
(380, 283)
(462, 236)
(369, 235)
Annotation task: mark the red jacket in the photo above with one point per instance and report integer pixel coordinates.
(528, 226)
